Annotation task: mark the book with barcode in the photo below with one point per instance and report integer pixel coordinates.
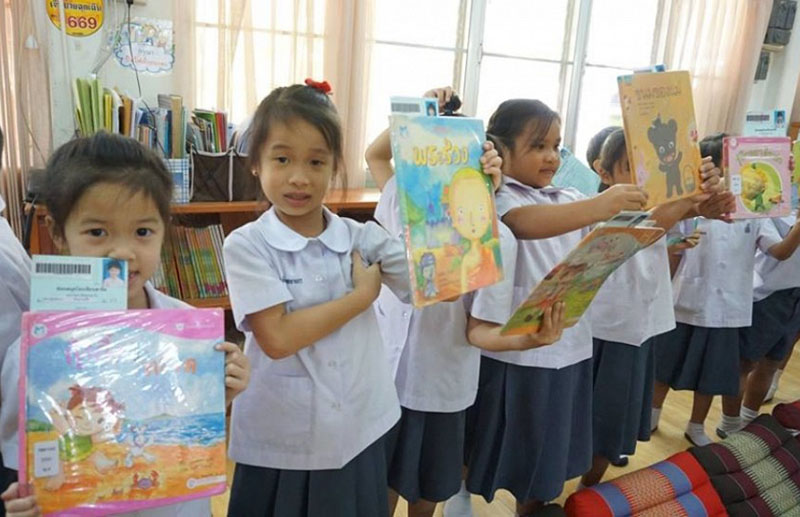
(576, 279)
(78, 283)
(661, 134)
(756, 170)
(121, 411)
(446, 206)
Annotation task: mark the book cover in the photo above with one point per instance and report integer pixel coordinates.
(446, 206)
(661, 134)
(756, 170)
(796, 176)
(576, 279)
(121, 410)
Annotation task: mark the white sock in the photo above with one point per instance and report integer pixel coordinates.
(773, 387)
(697, 433)
(460, 505)
(730, 424)
(655, 416)
(748, 415)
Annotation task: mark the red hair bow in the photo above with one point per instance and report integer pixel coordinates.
(322, 86)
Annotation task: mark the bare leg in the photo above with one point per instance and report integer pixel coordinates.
(529, 507)
(759, 382)
(660, 391)
(595, 474)
(731, 405)
(421, 508)
(701, 405)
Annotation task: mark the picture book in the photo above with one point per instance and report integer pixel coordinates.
(661, 134)
(756, 170)
(796, 176)
(446, 205)
(573, 173)
(576, 279)
(121, 410)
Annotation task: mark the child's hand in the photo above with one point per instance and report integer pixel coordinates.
(712, 180)
(492, 164)
(686, 243)
(618, 198)
(237, 370)
(366, 280)
(551, 329)
(718, 206)
(442, 94)
(17, 506)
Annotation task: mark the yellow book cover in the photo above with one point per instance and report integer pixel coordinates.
(661, 134)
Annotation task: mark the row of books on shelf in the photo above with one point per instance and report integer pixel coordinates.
(191, 264)
(166, 127)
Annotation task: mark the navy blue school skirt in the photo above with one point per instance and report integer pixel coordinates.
(529, 430)
(699, 359)
(425, 455)
(623, 396)
(356, 490)
(776, 322)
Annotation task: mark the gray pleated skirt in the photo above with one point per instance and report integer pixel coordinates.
(529, 430)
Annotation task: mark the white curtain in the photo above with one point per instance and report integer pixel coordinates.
(719, 42)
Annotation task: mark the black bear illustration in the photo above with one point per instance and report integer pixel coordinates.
(662, 136)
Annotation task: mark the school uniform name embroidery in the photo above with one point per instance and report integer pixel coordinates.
(292, 281)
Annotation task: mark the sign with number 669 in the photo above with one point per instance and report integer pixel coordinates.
(82, 17)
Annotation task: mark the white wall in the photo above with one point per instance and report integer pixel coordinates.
(780, 88)
(82, 55)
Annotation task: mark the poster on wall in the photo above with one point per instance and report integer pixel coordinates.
(82, 17)
(151, 41)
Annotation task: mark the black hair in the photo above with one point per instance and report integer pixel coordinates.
(114, 263)
(512, 117)
(103, 158)
(596, 145)
(611, 152)
(297, 101)
(712, 146)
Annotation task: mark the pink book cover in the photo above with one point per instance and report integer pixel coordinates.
(121, 410)
(757, 172)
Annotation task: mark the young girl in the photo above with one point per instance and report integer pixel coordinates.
(437, 369)
(632, 308)
(107, 196)
(713, 296)
(308, 437)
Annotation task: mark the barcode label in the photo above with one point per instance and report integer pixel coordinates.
(758, 117)
(48, 268)
(405, 107)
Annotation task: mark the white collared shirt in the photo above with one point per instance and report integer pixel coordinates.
(9, 416)
(322, 406)
(775, 275)
(535, 259)
(713, 285)
(15, 284)
(635, 302)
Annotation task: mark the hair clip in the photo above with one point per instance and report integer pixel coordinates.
(323, 86)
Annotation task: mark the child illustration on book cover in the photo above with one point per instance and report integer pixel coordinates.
(446, 205)
(129, 412)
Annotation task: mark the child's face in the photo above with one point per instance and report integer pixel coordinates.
(532, 162)
(107, 221)
(113, 272)
(89, 419)
(295, 171)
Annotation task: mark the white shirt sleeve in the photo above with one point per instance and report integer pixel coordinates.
(505, 201)
(387, 212)
(494, 303)
(9, 407)
(253, 282)
(767, 234)
(377, 246)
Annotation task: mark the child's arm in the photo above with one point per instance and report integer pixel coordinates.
(786, 248)
(17, 506)
(544, 221)
(486, 335)
(281, 334)
(379, 159)
(237, 371)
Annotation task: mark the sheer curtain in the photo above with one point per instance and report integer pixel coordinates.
(24, 104)
(719, 42)
(237, 51)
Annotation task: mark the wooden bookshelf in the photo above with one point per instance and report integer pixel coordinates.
(357, 203)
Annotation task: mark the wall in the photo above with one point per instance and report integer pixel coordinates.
(780, 88)
(83, 54)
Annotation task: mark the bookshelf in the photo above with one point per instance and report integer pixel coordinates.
(356, 203)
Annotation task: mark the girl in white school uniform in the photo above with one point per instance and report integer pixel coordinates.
(776, 318)
(437, 368)
(107, 196)
(308, 438)
(633, 307)
(713, 297)
(533, 408)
